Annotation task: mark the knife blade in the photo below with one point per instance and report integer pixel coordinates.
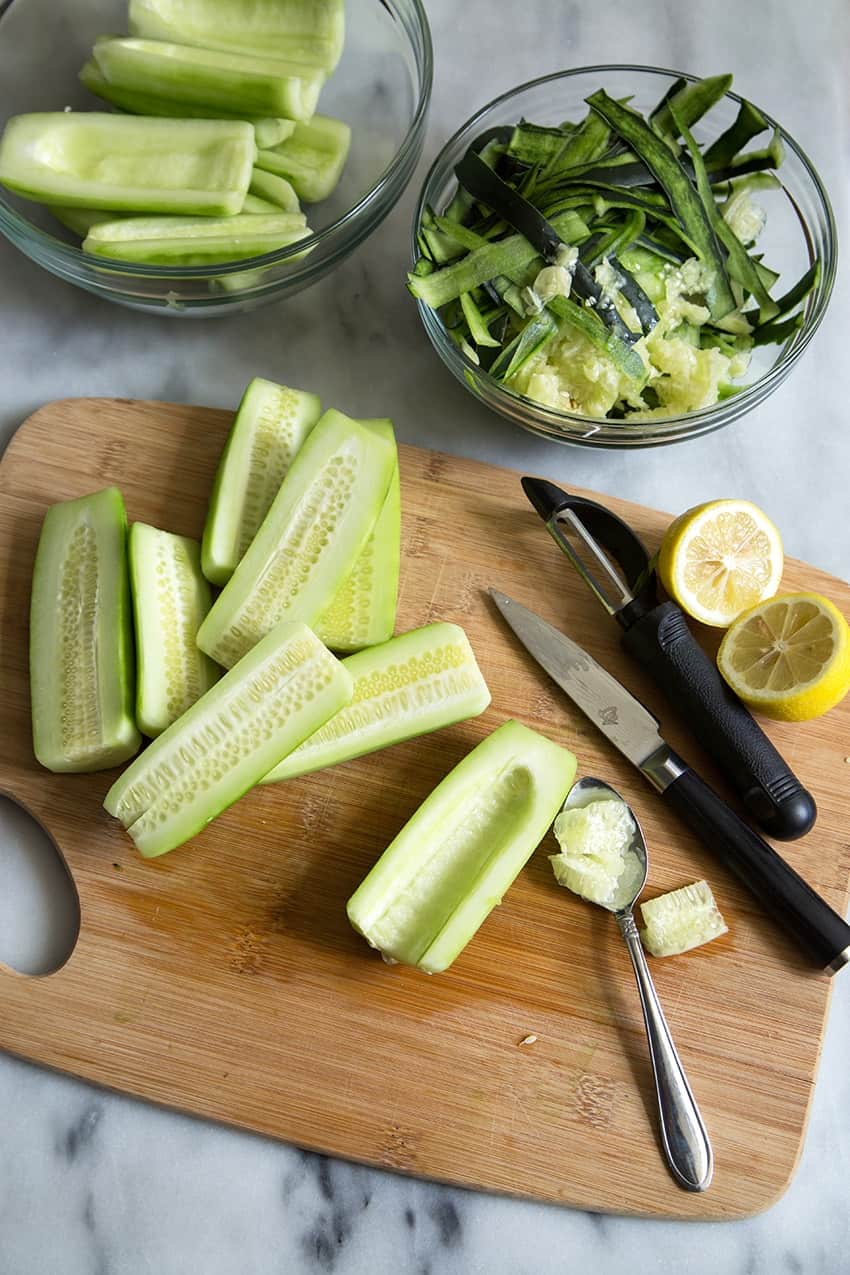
(817, 928)
(620, 577)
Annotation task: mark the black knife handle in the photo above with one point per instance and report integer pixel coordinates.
(661, 641)
(818, 930)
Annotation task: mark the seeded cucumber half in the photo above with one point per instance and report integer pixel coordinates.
(281, 692)
(90, 159)
(415, 683)
(81, 647)
(362, 612)
(270, 427)
(170, 599)
(317, 525)
(454, 859)
(257, 85)
(308, 31)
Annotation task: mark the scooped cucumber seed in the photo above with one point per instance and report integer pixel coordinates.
(80, 712)
(680, 920)
(595, 841)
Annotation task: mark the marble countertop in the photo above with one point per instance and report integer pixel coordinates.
(95, 1184)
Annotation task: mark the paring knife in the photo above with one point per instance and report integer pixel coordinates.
(817, 928)
(658, 637)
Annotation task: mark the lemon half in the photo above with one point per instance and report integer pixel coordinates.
(720, 559)
(789, 658)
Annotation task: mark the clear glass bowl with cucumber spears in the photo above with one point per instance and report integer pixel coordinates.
(626, 274)
(380, 89)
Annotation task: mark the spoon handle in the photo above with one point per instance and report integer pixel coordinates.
(683, 1133)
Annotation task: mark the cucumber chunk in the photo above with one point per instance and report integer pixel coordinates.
(208, 77)
(81, 647)
(317, 525)
(269, 429)
(283, 690)
(308, 31)
(256, 207)
(451, 863)
(362, 612)
(268, 130)
(93, 160)
(312, 159)
(681, 920)
(413, 684)
(277, 190)
(170, 599)
(194, 241)
(81, 220)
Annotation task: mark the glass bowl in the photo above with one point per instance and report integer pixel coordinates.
(381, 87)
(800, 230)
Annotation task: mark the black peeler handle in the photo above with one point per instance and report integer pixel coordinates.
(661, 641)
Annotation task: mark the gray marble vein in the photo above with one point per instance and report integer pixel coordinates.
(95, 1184)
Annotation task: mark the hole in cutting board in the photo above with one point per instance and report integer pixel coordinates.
(39, 907)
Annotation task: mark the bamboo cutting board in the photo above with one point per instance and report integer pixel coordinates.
(224, 979)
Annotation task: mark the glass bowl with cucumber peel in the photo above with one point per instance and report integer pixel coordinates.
(622, 256)
(347, 164)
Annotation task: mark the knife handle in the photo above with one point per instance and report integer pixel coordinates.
(818, 930)
(661, 641)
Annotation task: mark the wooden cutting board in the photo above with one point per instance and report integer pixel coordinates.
(224, 979)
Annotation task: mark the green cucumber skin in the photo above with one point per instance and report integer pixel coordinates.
(196, 167)
(191, 241)
(527, 777)
(102, 670)
(308, 520)
(207, 77)
(265, 706)
(258, 452)
(154, 556)
(308, 31)
(312, 159)
(372, 584)
(345, 736)
(268, 130)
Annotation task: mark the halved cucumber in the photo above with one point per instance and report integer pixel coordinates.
(362, 612)
(451, 863)
(270, 427)
(268, 130)
(308, 31)
(278, 695)
(277, 190)
(310, 539)
(170, 599)
(413, 684)
(257, 85)
(92, 160)
(81, 648)
(312, 158)
(194, 241)
(680, 920)
(81, 220)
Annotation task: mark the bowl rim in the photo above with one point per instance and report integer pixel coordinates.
(61, 252)
(600, 430)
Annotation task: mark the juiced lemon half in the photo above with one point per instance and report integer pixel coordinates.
(719, 559)
(789, 658)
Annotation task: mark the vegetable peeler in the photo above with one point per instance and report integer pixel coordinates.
(622, 579)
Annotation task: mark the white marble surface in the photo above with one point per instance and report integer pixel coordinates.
(95, 1184)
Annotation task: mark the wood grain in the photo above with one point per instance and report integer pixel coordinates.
(224, 978)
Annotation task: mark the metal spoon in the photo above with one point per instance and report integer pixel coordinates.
(683, 1134)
